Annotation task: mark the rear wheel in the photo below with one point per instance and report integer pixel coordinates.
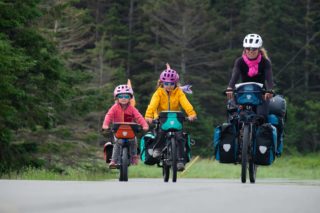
(252, 171)
(244, 153)
(174, 159)
(124, 165)
(165, 172)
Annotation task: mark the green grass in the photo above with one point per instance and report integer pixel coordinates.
(67, 174)
(292, 167)
(286, 167)
(289, 167)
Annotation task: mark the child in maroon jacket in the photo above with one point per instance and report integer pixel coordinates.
(123, 111)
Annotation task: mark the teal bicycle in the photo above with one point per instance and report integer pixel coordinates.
(170, 122)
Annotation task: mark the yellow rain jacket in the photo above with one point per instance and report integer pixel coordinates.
(164, 101)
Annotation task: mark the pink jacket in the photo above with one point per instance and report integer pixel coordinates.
(129, 114)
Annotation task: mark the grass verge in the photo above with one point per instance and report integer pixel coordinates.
(288, 167)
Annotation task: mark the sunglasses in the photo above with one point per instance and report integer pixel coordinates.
(251, 48)
(168, 83)
(124, 96)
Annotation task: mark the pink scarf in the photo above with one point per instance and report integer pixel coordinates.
(252, 64)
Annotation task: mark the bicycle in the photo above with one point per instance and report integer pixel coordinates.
(170, 122)
(125, 134)
(247, 97)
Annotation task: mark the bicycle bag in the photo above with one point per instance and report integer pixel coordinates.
(171, 120)
(277, 122)
(107, 151)
(146, 147)
(225, 143)
(278, 106)
(265, 144)
(125, 132)
(248, 94)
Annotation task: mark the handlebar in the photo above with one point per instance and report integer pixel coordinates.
(157, 121)
(135, 127)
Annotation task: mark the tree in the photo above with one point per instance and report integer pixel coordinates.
(34, 81)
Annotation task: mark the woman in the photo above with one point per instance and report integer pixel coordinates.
(253, 66)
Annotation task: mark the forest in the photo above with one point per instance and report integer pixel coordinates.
(61, 59)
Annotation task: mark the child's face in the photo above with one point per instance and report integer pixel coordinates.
(123, 98)
(169, 86)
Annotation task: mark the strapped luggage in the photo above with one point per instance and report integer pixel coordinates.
(278, 106)
(265, 144)
(226, 143)
(146, 147)
(277, 115)
(278, 122)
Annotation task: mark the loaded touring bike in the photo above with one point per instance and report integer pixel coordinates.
(170, 122)
(246, 138)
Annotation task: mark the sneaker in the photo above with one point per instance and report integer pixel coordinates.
(180, 166)
(112, 165)
(156, 153)
(135, 160)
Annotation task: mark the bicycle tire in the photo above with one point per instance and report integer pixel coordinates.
(244, 153)
(174, 159)
(252, 171)
(165, 172)
(124, 165)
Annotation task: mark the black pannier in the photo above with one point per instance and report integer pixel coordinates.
(265, 144)
(226, 143)
(146, 149)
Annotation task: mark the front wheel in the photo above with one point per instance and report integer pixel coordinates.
(244, 153)
(174, 159)
(124, 165)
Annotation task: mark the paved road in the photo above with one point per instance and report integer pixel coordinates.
(154, 196)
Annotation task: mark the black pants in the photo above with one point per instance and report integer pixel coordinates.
(263, 110)
(161, 139)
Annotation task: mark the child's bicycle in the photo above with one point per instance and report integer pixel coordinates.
(125, 133)
(247, 96)
(170, 122)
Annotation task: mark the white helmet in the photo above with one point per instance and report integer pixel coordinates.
(252, 41)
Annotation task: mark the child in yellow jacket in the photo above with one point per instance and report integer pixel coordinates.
(169, 97)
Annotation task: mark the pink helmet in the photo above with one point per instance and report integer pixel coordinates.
(122, 89)
(169, 75)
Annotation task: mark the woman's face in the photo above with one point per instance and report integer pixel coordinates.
(252, 53)
(168, 86)
(124, 98)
